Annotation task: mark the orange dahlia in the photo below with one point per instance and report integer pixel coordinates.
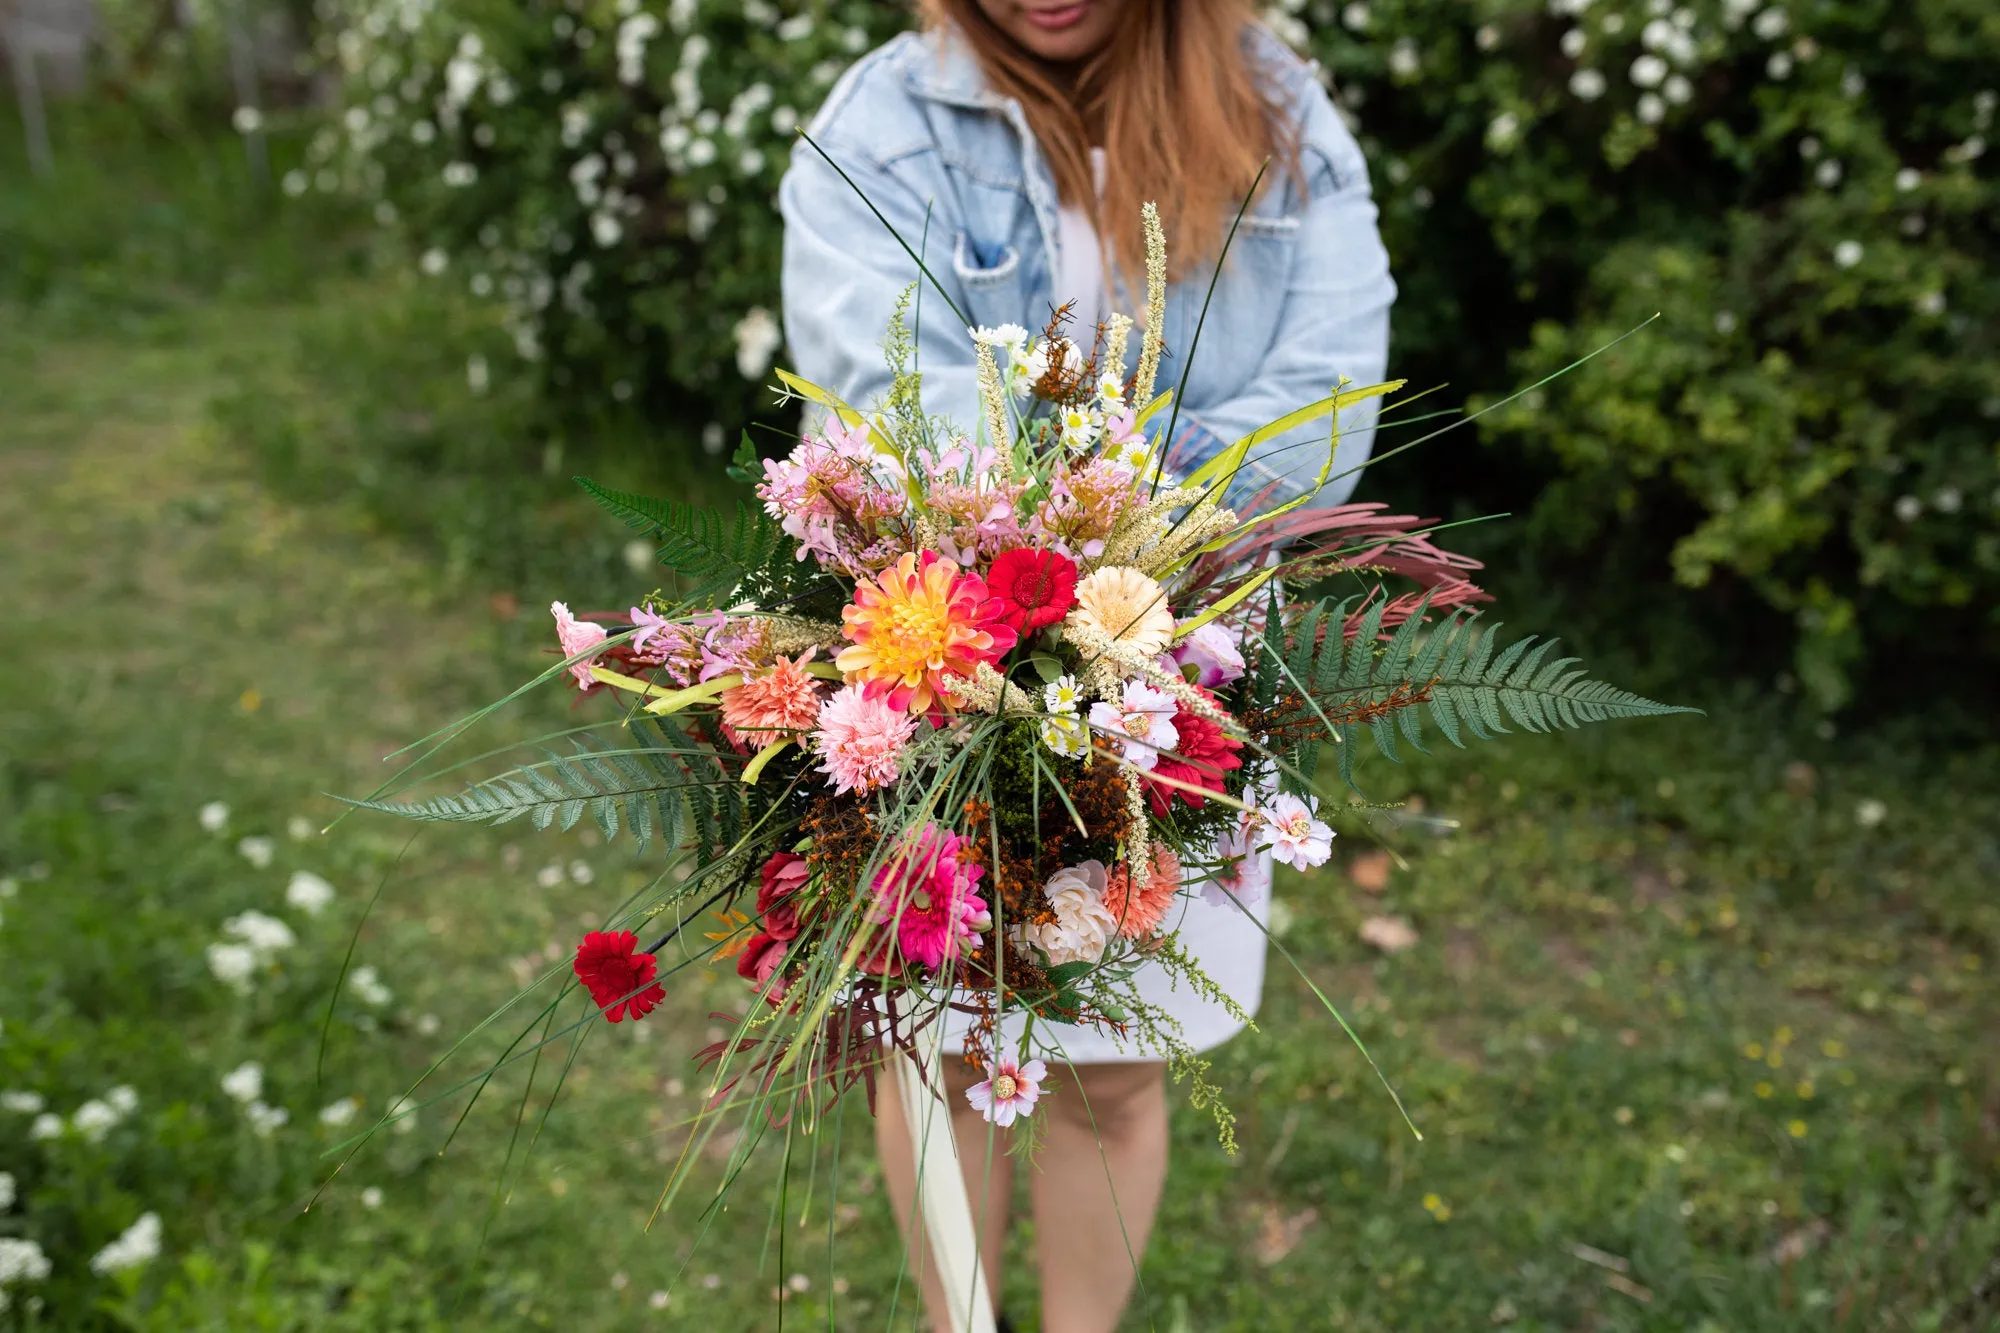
(919, 621)
(1141, 913)
(781, 705)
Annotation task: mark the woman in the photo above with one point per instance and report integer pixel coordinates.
(1014, 142)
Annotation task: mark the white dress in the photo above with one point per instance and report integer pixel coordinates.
(1227, 944)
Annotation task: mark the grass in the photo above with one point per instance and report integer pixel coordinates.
(1696, 1042)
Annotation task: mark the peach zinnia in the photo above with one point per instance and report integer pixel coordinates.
(918, 622)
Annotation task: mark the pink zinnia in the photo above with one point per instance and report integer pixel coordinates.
(1011, 1089)
(859, 740)
(780, 705)
(576, 636)
(932, 897)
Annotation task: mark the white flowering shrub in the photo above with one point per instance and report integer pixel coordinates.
(1800, 188)
(604, 172)
(1802, 191)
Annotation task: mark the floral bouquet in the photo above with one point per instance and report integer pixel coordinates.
(949, 722)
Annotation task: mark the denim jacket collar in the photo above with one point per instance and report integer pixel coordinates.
(946, 70)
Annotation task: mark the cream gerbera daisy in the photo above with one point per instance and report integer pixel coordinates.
(1124, 604)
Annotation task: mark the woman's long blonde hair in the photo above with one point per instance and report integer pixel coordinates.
(1173, 101)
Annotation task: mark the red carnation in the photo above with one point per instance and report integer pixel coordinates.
(1035, 588)
(608, 962)
(784, 875)
(1203, 754)
(760, 958)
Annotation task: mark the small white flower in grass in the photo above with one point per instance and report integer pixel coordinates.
(21, 1261)
(266, 1120)
(94, 1119)
(1486, 37)
(122, 1099)
(1404, 61)
(659, 1300)
(1355, 17)
(1827, 173)
(1143, 717)
(1771, 24)
(258, 851)
(403, 1115)
(339, 1113)
(48, 1125)
(6, 1191)
(428, 1025)
(1677, 89)
(606, 230)
(478, 377)
(1651, 108)
(1909, 178)
(1503, 131)
(214, 817)
(298, 828)
(1009, 1090)
(265, 935)
(1779, 66)
(1947, 500)
(22, 1103)
(1291, 833)
(581, 873)
(1847, 253)
(136, 1246)
(434, 261)
(247, 119)
(1573, 42)
(549, 876)
(372, 1197)
(1869, 812)
(295, 183)
(9, 887)
(1725, 322)
(233, 965)
(245, 1083)
(1587, 84)
(367, 986)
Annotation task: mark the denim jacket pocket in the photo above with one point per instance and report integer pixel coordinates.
(993, 292)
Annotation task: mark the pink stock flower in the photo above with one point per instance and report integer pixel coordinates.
(830, 498)
(860, 740)
(1144, 717)
(1010, 1089)
(932, 896)
(1291, 834)
(576, 636)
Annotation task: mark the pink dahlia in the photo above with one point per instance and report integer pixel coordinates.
(932, 896)
(859, 740)
(576, 636)
(780, 705)
(1011, 1089)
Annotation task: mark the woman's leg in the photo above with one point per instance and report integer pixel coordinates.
(989, 1178)
(1096, 1184)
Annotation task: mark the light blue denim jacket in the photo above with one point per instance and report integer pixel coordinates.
(1303, 300)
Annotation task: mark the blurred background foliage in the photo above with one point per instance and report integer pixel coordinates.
(1696, 1021)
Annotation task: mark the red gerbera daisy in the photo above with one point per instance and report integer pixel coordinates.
(1036, 588)
(608, 962)
(1202, 754)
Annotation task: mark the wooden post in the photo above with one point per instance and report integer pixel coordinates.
(949, 1226)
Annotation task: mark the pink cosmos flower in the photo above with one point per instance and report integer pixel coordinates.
(1144, 717)
(1291, 834)
(1212, 651)
(932, 897)
(576, 636)
(1010, 1089)
(859, 740)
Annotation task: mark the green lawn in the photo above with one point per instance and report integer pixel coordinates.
(1697, 1025)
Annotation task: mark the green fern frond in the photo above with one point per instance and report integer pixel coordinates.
(1449, 671)
(715, 555)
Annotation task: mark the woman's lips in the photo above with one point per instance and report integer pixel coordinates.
(1058, 18)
